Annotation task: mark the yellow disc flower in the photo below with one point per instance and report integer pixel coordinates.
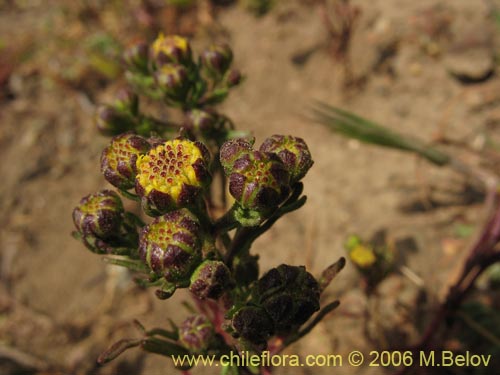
(171, 175)
(171, 49)
(362, 256)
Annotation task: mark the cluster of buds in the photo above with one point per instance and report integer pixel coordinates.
(167, 69)
(102, 224)
(168, 168)
(260, 180)
(283, 299)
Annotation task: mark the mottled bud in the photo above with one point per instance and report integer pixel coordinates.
(254, 325)
(232, 150)
(202, 121)
(118, 160)
(171, 49)
(99, 214)
(210, 280)
(173, 80)
(290, 295)
(217, 59)
(259, 181)
(172, 175)
(136, 57)
(127, 101)
(171, 245)
(110, 121)
(233, 78)
(292, 151)
(196, 333)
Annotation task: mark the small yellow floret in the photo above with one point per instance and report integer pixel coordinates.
(362, 256)
(178, 41)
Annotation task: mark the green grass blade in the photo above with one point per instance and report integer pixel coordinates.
(356, 127)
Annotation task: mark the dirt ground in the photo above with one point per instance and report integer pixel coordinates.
(426, 68)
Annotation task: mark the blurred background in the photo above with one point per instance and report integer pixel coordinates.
(426, 68)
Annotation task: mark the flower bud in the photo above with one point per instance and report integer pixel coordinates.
(172, 175)
(259, 181)
(171, 49)
(196, 333)
(232, 150)
(110, 121)
(127, 101)
(217, 59)
(173, 80)
(290, 295)
(253, 324)
(99, 214)
(233, 78)
(202, 121)
(210, 280)
(171, 245)
(292, 151)
(118, 160)
(136, 57)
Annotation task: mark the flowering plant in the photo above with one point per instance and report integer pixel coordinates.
(179, 241)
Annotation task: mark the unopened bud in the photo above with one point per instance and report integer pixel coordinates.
(171, 49)
(217, 59)
(290, 295)
(136, 57)
(259, 181)
(293, 152)
(127, 101)
(173, 80)
(233, 78)
(202, 121)
(118, 160)
(171, 245)
(253, 324)
(232, 150)
(210, 280)
(110, 121)
(196, 333)
(99, 214)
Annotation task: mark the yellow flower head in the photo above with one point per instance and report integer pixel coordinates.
(362, 256)
(171, 49)
(171, 174)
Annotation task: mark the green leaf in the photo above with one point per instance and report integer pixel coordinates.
(162, 347)
(329, 273)
(116, 349)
